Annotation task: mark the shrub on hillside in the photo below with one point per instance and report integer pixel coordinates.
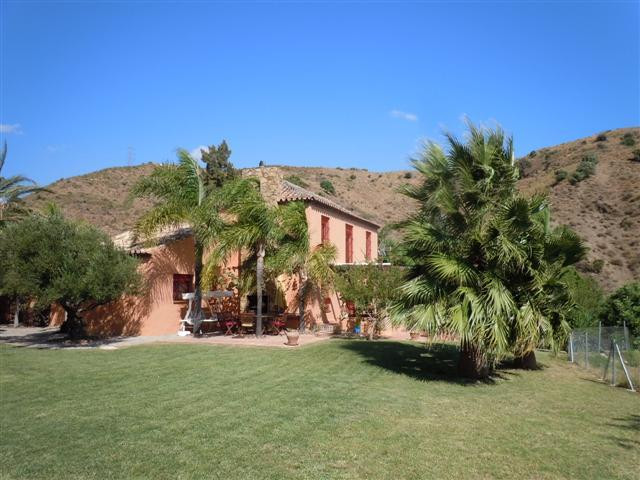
(586, 168)
(636, 155)
(601, 138)
(408, 175)
(296, 180)
(352, 177)
(328, 187)
(561, 175)
(628, 140)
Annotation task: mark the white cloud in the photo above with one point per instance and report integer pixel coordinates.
(196, 153)
(411, 117)
(6, 128)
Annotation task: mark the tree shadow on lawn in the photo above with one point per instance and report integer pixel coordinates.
(437, 361)
(630, 422)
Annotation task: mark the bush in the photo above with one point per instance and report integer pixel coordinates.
(623, 307)
(561, 175)
(636, 155)
(587, 296)
(328, 187)
(523, 167)
(628, 140)
(352, 177)
(408, 175)
(296, 180)
(601, 138)
(586, 168)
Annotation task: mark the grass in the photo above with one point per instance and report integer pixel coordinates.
(338, 409)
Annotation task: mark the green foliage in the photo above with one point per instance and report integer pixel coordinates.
(408, 175)
(352, 177)
(296, 180)
(623, 306)
(636, 155)
(219, 168)
(48, 259)
(586, 168)
(372, 289)
(601, 138)
(328, 187)
(185, 194)
(587, 297)
(485, 262)
(628, 140)
(560, 175)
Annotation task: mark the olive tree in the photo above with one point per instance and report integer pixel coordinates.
(48, 259)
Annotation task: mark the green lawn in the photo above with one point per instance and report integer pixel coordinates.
(337, 409)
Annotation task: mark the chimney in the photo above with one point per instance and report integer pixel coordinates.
(270, 182)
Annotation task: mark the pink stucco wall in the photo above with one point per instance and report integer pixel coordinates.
(156, 313)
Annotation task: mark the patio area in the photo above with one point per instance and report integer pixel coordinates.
(51, 338)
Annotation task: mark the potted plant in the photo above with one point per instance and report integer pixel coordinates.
(292, 337)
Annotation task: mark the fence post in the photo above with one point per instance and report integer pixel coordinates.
(599, 337)
(571, 347)
(626, 372)
(586, 349)
(613, 362)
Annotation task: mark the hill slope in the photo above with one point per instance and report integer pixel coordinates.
(604, 209)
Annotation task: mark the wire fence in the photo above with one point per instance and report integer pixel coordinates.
(610, 352)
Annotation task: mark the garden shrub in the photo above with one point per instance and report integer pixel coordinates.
(623, 307)
(587, 296)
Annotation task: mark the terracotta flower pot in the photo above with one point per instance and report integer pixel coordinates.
(292, 338)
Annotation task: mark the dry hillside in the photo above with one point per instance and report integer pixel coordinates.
(604, 209)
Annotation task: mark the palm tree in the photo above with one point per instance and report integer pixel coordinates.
(479, 263)
(180, 190)
(12, 192)
(273, 239)
(295, 256)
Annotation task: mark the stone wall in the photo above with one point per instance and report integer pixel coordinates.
(270, 181)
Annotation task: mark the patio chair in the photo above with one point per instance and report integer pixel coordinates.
(247, 323)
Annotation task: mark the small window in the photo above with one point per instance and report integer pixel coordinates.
(368, 247)
(325, 230)
(348, 243)
(181, 284)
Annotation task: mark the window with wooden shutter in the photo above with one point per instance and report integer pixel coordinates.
(324, 229)
(182, 283)
(368, 247)
(348, 243)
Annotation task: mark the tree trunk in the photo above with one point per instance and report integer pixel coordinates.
(373, 323)
(197, 312)
(473, 362)
(16, 315)
(73, 325)
(259, 285)
(302, 294)
(526, 361)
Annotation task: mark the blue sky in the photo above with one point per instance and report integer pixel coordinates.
(317, 83)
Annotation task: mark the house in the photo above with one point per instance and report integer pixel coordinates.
(167, 268)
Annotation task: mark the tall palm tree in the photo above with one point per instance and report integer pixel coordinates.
(273, 239)
(295, 256)
(12, 192)
(182, 196)
(480, 266)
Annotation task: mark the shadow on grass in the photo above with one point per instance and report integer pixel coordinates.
(438, 361)
(630, 422)
(47, 338)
